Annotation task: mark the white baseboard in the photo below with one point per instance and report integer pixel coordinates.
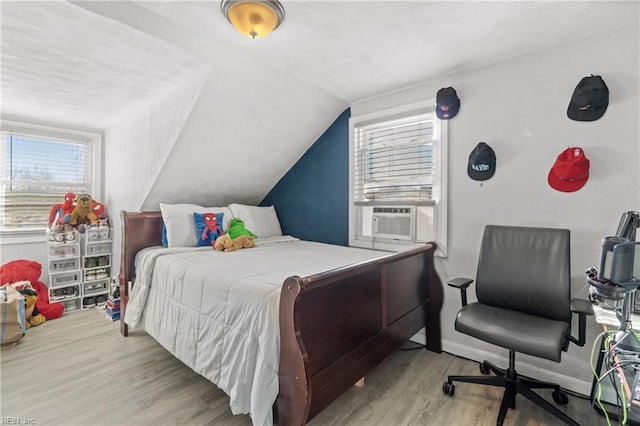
(567, 382)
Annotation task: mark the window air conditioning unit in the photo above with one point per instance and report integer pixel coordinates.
(396, 223)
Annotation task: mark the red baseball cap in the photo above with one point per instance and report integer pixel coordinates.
(570, 171)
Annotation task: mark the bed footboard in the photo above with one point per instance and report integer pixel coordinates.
(338, 325)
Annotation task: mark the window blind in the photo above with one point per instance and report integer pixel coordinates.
(36, 173)
(395, 161)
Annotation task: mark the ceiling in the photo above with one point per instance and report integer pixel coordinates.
(64, 63)
(359, 49)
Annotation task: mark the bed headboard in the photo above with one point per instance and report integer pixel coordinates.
(139, 230)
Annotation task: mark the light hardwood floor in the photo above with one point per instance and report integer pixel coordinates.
(79, 370)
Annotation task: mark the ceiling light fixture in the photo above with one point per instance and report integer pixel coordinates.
(253, 18)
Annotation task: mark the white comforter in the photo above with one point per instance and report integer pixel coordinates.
(219, 312)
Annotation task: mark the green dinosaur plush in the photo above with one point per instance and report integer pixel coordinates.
(236, 228)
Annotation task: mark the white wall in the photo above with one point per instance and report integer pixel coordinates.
(248, 126)
(147, 137)
(36, 251)
(519, 108)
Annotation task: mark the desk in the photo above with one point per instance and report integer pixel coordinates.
(608, 317)
(621, 366)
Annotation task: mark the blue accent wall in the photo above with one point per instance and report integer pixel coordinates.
(312, 198)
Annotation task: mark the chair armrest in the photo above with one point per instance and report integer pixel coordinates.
(461, 284)
(582, 308)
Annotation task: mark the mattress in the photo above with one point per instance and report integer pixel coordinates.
(218, 312)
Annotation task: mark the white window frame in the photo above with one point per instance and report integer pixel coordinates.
(93, 137)
(441, 185)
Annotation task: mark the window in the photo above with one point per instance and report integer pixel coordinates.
(38, 166)
(398, 178)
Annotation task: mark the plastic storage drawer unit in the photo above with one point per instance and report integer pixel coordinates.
(64, 265)
(57, 251)
(66, 278)
(97, 287)
(71, 305)
(103, 247)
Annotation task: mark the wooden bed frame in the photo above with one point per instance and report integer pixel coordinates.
(334, 326)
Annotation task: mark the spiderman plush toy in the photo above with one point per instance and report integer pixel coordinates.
(60, 213)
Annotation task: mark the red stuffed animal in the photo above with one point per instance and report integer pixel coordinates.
(60, 214)
(29, 270)
(99, 209)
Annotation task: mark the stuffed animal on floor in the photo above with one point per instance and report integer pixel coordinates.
(237, 228)
(32, 316)
(225, 243)
(29, 270)
(83, 213)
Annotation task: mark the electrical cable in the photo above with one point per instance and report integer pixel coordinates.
(615, 366)
(597, 395)
(612, 367)
(617, 392)
(624, 404)
(630, 366)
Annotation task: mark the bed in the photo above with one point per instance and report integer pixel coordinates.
(335, 325)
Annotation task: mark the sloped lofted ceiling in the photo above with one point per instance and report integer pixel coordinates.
(358, 49)
(266, 100)
(64, 64)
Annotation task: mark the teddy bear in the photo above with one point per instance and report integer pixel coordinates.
(29, 270)
(225, 243)
(83, 213)
(237, 228)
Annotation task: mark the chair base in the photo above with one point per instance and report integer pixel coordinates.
(514, 385)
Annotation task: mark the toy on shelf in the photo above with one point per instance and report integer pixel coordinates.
(77, 211)
(82, 214)
(99, 210)
(60, 213)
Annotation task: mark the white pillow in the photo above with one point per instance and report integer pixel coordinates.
(181, 229)
(262, 221)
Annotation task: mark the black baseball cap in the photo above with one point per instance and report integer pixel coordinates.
(447, 103)
(590, 99)
(482, 162)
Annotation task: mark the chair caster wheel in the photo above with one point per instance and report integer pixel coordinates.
(484, 368)
(448, 388)
(560, 397)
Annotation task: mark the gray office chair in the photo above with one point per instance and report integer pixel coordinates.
(523, 287)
